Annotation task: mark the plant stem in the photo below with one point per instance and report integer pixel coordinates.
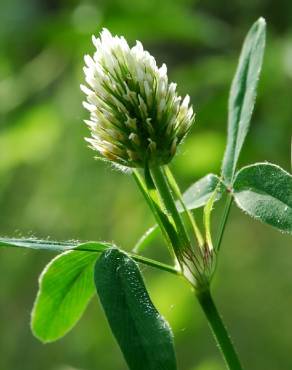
(145, 239)
(173, 184)
(220, 333)
(154, 263)
(224, 221)
(149, 195)
(164, 191)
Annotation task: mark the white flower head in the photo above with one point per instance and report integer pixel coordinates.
(136, 116)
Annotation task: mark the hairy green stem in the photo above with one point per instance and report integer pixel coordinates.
(140, 259)
(163, 187)
(220, 333)
(54, 246)
(149, 197)
(154, 263)
(145, 239)
(164, 191)
(173, 184)
(224, 221)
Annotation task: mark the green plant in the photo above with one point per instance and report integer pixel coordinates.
(137, 121)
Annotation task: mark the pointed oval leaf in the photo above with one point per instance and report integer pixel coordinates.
(242, 95)
(53, 246)
(198, 194)
(143, 335)
(37, 244)
(264, 191)
(65, 287)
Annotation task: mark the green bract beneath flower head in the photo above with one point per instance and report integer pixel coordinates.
(136, 116)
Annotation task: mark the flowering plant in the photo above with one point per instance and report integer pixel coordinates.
(137, 121)
(136, 117)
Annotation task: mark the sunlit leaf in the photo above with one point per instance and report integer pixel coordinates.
(198, 194)
(264, 191)
(54, 246)
(242, 95)
(143, 335)
(65, 288)
(37, 244)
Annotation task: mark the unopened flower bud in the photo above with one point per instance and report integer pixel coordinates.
(136, 116)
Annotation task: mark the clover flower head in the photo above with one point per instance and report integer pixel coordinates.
(136, 115)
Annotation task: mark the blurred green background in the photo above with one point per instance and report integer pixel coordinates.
(50, 186)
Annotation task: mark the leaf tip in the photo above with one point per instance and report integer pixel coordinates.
(38, 335)
(261, 25)
(262, 22)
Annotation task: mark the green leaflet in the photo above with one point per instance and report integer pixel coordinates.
(66, 284)
(242, 96)
(37, 244)
(65, 288)
(198, 194)
(143, 335)
(53, 246)
(264, 191)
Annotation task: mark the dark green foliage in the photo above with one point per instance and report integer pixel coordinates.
(143, 335)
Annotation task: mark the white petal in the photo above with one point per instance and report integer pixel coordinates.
(88, 106)
(86, 90)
